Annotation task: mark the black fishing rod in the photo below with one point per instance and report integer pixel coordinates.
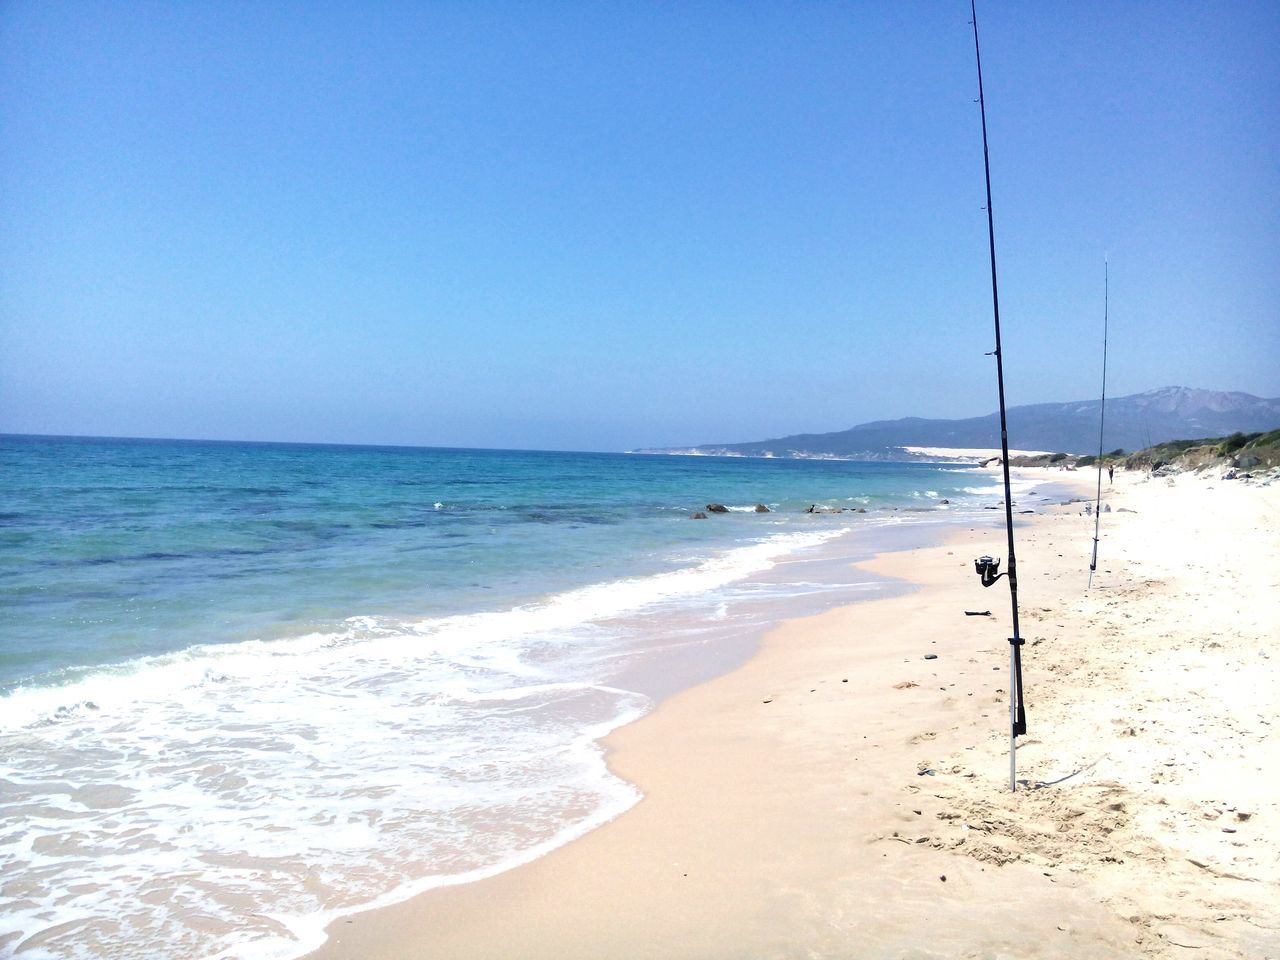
(1102, 417)
(987, 567)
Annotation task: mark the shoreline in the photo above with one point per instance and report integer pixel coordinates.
(672, 668)
(788, 810)
(322, 759)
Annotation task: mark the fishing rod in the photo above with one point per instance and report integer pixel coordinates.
(1102, 417)
(986, 567)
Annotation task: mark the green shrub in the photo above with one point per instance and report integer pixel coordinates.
(1261, 440)
(1234, 442)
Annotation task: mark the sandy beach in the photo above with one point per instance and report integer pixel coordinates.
(845, 794)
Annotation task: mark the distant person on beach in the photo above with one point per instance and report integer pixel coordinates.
(1111, 473)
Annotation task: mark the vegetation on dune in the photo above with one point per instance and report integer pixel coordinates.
(1239, 451)
(1065, 460)
(1266, 440)
(1234, 442)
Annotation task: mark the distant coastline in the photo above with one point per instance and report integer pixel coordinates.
(1133, 422)
(904, 454)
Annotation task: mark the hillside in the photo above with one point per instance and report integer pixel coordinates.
(1242, 451)
(1133, 422)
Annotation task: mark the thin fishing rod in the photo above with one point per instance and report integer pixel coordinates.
(1102, 417)
(1017, 714)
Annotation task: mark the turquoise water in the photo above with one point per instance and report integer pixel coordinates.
(245, 688)
(117, 549)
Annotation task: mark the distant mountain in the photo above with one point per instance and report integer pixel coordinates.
(1133, 422)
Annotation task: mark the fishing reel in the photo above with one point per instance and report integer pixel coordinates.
(987, 568)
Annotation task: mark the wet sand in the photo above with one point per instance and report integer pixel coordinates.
(840, 795)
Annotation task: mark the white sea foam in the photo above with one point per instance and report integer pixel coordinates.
(228, 801)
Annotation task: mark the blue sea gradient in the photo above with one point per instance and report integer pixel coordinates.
(247, 688)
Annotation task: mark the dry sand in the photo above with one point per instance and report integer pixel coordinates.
(787, 815)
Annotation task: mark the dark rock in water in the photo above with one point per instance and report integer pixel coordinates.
(944, 502)
(862, 510)
(717, 508)
(698, 516)
(931, 656)
(761, 508)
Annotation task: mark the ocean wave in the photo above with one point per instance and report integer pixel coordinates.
(470, 637)
(281, 778)
(173, 787)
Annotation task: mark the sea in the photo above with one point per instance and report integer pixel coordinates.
(249, 688)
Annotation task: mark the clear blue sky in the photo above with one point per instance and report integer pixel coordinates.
(607, 225)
